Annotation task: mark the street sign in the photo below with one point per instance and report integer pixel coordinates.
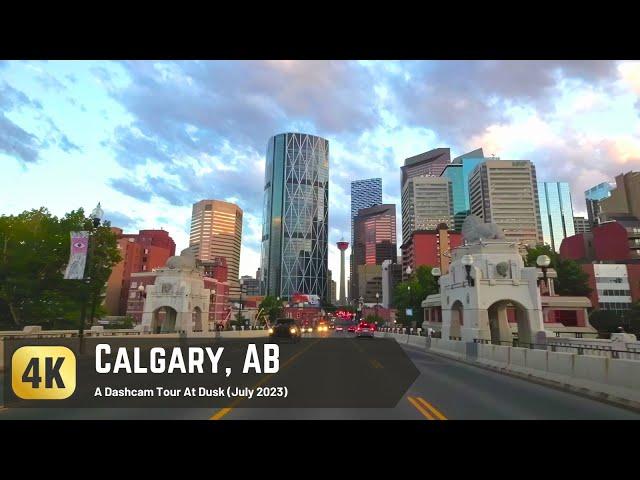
(410, 312)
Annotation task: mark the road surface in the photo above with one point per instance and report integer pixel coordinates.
(445, 389)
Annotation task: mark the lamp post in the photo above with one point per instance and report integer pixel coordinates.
(96, 218)
(409, 271)
(377, 302)
(467, 261)
(240, 317)
(543, 261)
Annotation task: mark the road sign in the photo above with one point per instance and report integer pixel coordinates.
(410, 312)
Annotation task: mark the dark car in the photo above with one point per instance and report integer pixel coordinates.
(285, 328)
(351, 328)
(365, 330)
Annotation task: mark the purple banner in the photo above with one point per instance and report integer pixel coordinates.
(77, 256)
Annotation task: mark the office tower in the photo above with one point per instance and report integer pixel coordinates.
(593, 197)
(364, 194)
(581, 225)
(458, 172)
(342, 246)
(426, 203)
(506, 192)
(431, 163)
(556, 212)
(140, 252)
(374, 242)
(216, 231)
(624, 199)
(332, 289)
(295, 221)
(391, 276)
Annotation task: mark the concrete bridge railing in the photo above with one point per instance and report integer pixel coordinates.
(616, 379)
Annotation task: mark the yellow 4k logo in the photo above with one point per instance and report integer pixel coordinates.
(43, 373)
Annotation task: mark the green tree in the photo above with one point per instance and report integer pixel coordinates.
(34, 252)
(571, 281)
(411, 293)
(272, 308)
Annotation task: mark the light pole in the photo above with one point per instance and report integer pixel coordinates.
(467, 261)
(240, 317)
(409, 271)
(377, 302)
(141, 296)
(96, 218)
(543, 261)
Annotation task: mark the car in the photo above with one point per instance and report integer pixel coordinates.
(332, 326)
(364, 329)
(306, 328)
(339, 329)
(351, 328)
(322, 327)
(285, 328)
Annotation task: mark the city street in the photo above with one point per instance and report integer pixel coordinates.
(444, 390)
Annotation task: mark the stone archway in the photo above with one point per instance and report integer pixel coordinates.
(164, 320)
(197, 319)
(457, 320)
(499, 323)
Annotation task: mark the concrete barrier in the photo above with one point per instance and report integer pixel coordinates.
(591, 368)
(536, 360)
(501, 354)
(624, 373)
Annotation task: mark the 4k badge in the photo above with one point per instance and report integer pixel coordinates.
(43, 373)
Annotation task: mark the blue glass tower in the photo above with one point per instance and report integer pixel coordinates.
(556, 212)
(593, 196)
(458, 172)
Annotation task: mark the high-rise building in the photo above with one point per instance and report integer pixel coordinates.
(593, 197)
(426, 203)
(216, 231)
(431, 163)
(391, 276)
(250, 286)
(294, 256)
(556, 212)
(581, 225)
(458, 172)
(506, 192)
(624, 198)
(332, 289)
(140, 252)
(374, 242)
(342, 246)
(364, 194)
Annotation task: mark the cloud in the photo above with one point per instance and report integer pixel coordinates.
(121, 220)
(130, 189)
(17, 142)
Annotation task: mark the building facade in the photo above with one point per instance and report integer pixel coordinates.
(374, 242)
(613, 286)
(250, 286)
(556, 212)
(391, 276)
(426, 203)
(364, 194)
(624, 199)
(431, 248)
(505, 192)
(581, 225)
(458, 172)
(140, 252)
(294, 257)
(431, 163)
(593, 197)
(216, 231)
(613, 241)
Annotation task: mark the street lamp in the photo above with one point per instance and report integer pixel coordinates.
(467, 261)
(377, 302)
(543, 261)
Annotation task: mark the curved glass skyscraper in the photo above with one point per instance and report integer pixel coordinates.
(295, 217)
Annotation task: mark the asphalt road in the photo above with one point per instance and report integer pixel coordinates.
(444, 390)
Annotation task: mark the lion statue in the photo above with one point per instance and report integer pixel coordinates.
(474, 230)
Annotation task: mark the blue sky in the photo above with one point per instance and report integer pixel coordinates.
(149, 138)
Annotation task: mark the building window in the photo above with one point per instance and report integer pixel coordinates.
(134, 285)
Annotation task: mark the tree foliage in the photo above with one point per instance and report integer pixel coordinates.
(272, 308)
(34, 250)
(609, 321)
(571, 281)
(411, 293)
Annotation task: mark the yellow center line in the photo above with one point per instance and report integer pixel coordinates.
(432, 409)
(415, 403)
(375, 363)
(224, 411)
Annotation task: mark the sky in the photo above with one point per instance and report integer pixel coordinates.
(147, 139)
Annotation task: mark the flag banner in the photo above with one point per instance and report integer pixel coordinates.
(77, 256)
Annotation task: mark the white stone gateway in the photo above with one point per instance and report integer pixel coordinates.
(474, 304)
(177, 301)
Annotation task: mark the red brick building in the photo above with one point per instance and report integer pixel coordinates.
(431, 248)
(141, 252)
(615, 241)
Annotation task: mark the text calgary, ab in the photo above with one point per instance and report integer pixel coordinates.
(193, 362)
